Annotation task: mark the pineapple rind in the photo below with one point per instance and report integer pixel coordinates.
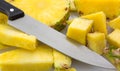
(49, 12)
(78, 29)
(3, 18)
(11, 36)
(40, 59)
(110, 7)
(61, 61)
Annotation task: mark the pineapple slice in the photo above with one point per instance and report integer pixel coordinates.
(113, 38)
(78, 29)
(3, 18)
(61, 61)
(50, 12)
(40, 59)
(99, 24)
(115, 23)
(2, 46)
(70, 69)
(13, 37)
(110, 7)
(96, 42)
(72, 5)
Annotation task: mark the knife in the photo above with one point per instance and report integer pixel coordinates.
(51, 37)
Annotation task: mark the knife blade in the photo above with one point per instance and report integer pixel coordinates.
(51, 37)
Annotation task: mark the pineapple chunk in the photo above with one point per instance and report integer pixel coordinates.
(78, 29)
(2, 46)
(72, 5)
(113, 38)
(96, 42)
(13, 37)
(40, 59)
(110, 7)
(99, 24)
(61, 61)
(70, 69)
(50, 12)
(3, 18)
(115, 23)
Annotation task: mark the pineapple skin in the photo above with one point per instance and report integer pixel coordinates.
(96, 42)
(3, 18)
(50, 12)
(115, 23)
(12, 37)
(40, 59)
(78, 30)
(99, 19)
(110, 7)
(113, 38)
(70, 69)
(61, 61)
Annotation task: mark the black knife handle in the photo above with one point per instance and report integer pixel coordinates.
(11, 11)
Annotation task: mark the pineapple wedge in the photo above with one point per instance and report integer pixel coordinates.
(40, 59)
(50, 12)
(61, 61)
(78, 29)
(70, 69)
(99, 24)
(113, 38)
(3, 18)
(96, 42)
(115, 23)
(110, 7)
(13, 37)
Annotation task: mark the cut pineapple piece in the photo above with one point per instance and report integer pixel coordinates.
(70, 69)
(3, 18)
(72, 5)
(113, 38)
(61, 61)
(96, 42)
(78, 29)
(115, 23)
(13, 37)
(50, 12)
(2, 46)
(99, 24)
(40, 59)
(110, 7)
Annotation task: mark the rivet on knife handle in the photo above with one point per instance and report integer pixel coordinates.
(11, 11)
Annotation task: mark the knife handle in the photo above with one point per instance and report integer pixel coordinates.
(11, 11)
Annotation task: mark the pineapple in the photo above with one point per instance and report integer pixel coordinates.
(78, 29)
(2, 46)
(113, 38)
(72, 5)
(61, 61)
(3, 18)
(70, 69)
(50, 12)
(13, 37)
(110, 7)
(96, 42)
(40, 59)
(115, 23)
(99, 24)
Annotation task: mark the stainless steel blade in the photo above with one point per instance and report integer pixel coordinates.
(59, 41)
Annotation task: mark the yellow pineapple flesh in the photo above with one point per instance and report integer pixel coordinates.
(115, 23)
(72, 5)
(110, 7)
(96, 42)
(78, 29)
(40, 59)
(3, 18)
(99, 24)
(61, 61)
(113, 38)
(11, 36)
(2, 46)
(70, 69)
(50, 12)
